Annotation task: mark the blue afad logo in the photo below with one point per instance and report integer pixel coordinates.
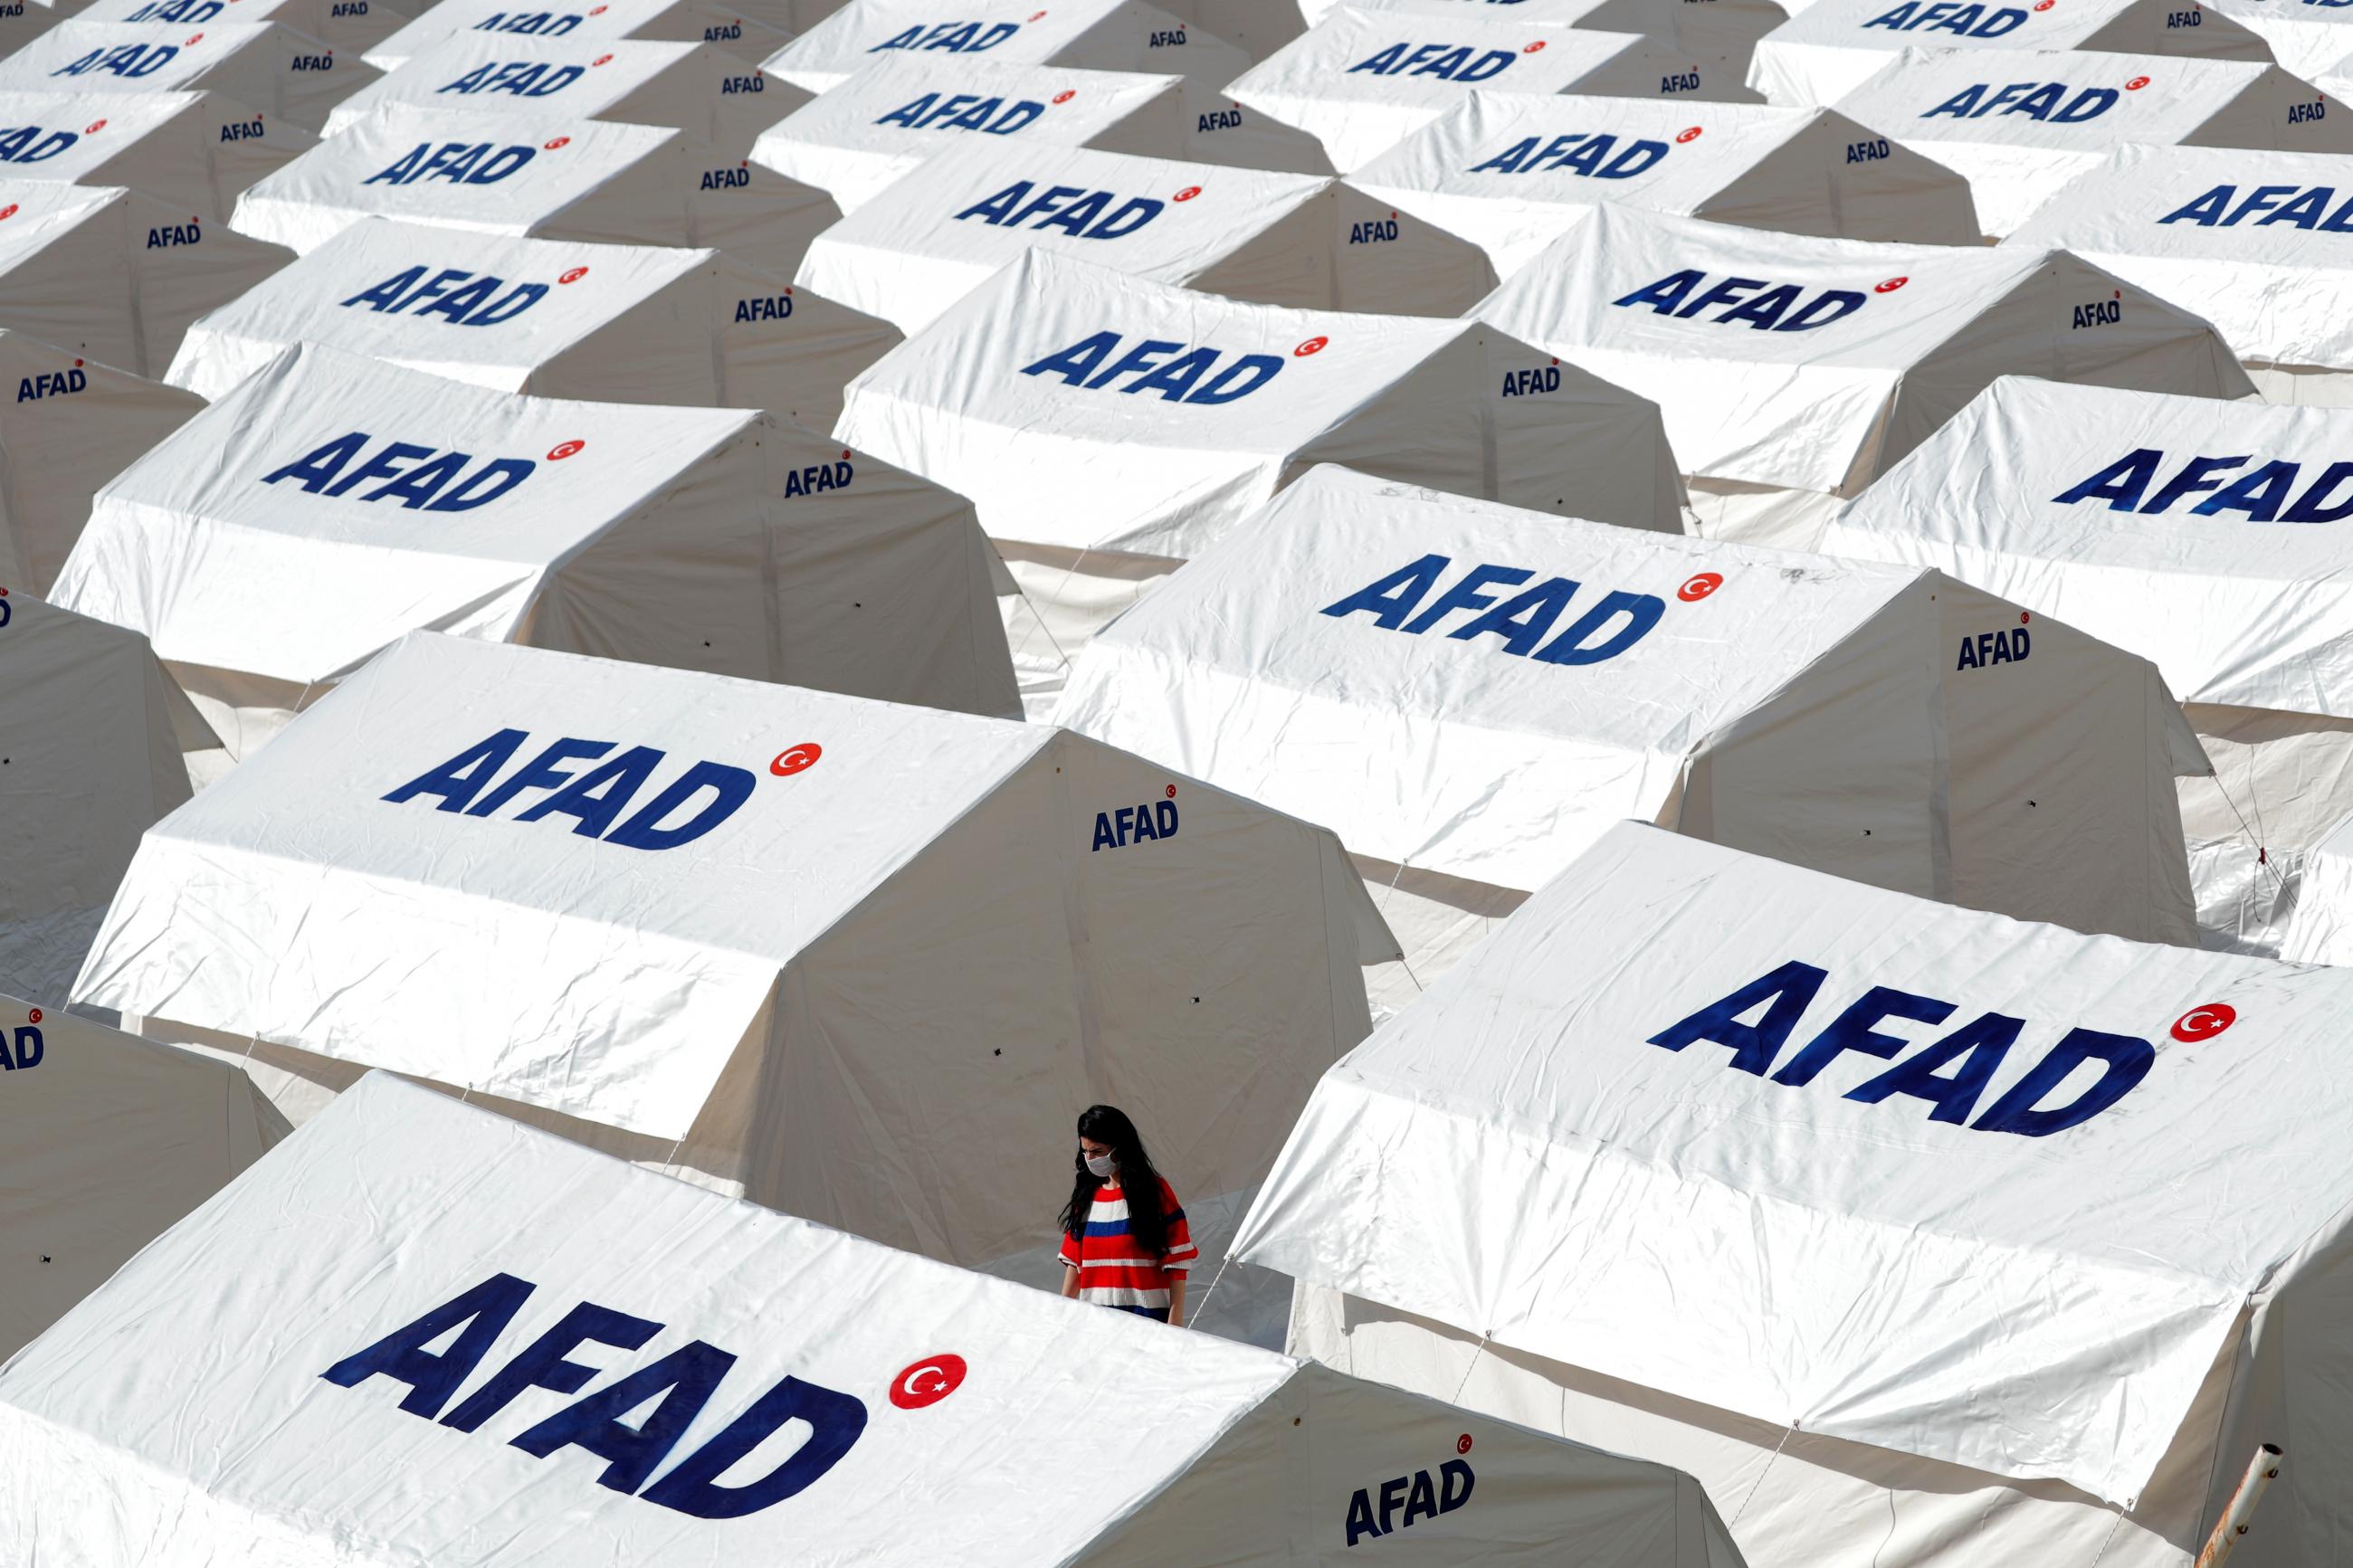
(964, 111)
(123, 60)
(1089, 216)
(1522, 621)
(1410, 1499)
(955, 38)
(28, 144)
(29, 1048)
(1970, 21)
(594, 798)
(1178, 373)
(466, 298)
(1454, 63)
(539, 24)
(1974, 1053)
(1134, 824)
(1679, 295)
(473, 163)
(2220, 208)
(1594, 157)
(678, 1386)
(2261, 493)
(419, 477)
(51, 384)
(523, 78)
(2035, 100)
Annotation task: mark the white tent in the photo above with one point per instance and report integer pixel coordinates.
(945, 1417)
(117, 276)
(2169, 526)
(265, 66)
(1362, 82)
(21, 21)
(1722, 32)
(615, 324)
(1277, 239)
(1940, 1238)
(1514, 171)
(1114, 426)
(1470, 695)
(2020, 126)
(106, 1142)
(1087, 35)
(882, 123)
(2310, 38)
(702, 91)
(1792, 370)
(194, 148)
(91, 735)
(330, 504)
(2254, 246)
(1836, 46)
(549, 176)
(749, 32)
(67, 426)
(350, 26)
(845, 957)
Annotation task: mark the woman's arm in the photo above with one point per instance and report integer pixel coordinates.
(1176, 1300)
(1070, 1280)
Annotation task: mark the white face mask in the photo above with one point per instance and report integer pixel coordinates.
(1100, 1165)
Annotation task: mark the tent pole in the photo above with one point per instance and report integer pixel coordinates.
(2262, 1471)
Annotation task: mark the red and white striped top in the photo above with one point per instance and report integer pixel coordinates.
(1113, 1270)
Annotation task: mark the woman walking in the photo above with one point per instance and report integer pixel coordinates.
(1124, 1241)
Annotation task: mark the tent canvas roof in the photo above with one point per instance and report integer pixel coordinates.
(2230, 609)
(194, 148)
(338, 24)
(1722, 29)
(1512, 172)
(516, 174)
(1833, 47)
(745, 32)
(1005, 399)
(265, 65)
(411, 1200)
(1097, 34)
(1690, 1197)
(1825, 359)
(882, 123)
(1362, 82)
(946, 228)
(2021, 125)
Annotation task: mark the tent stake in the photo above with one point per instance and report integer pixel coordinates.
(2262, 1471)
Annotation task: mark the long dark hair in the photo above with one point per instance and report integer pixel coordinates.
(1139, 1180)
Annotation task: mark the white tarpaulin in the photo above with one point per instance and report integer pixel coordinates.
(194, 148)
(2200, 534)
(545, 175)
(349, 26)
(1933, 1235)
(1723, 32)
(1276, 239)
(2310, 38)
(2020, 126)
(1090, 35)
(91, 731)
(117, 276)
(266, 66)
(846, 957)
(750, 32)
(1514, 171)
(330, 504)
(67, 426)
(882, 123)
(1115, 427)
(1472, 692)
(1362, 81)
(944, 1418)
(24, 20)
(698, 89)
(1792, 370)
(2256, 242)
(106, 1142)
(1836, 46)
(613, 323)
